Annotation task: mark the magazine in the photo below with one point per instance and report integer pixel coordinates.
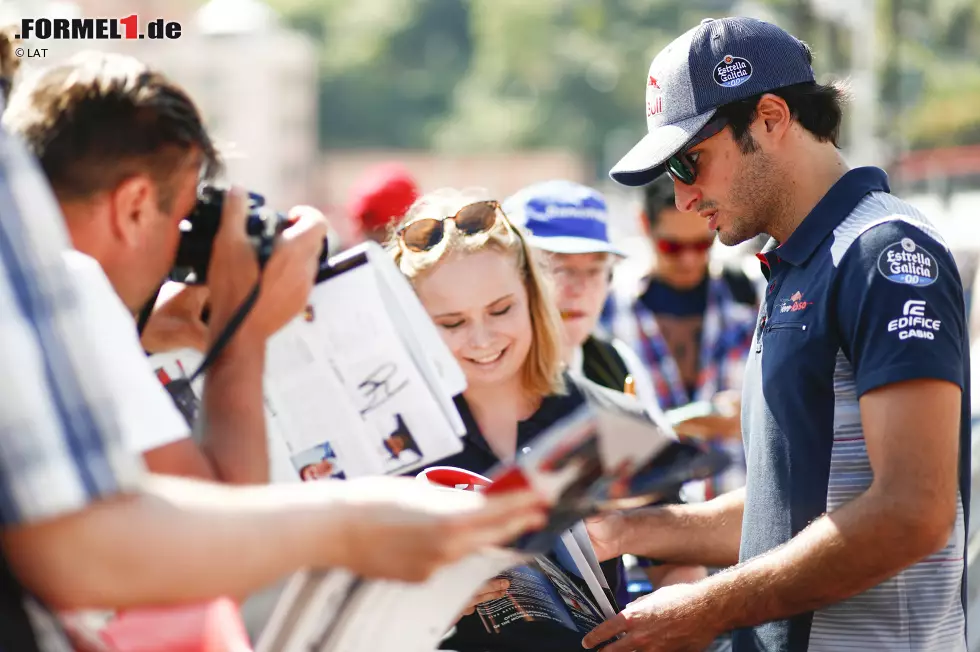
(359, 384)
(558, 593)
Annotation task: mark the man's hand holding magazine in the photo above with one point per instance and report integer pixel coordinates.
(405, 530)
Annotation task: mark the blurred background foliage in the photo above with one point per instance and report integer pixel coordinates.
(485, 75)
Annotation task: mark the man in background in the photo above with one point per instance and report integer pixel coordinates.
(692, 326)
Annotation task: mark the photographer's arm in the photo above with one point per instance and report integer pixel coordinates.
(183, 541)
(234, 438)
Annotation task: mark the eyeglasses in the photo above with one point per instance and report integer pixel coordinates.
(676, 247)
(591, 276)
(426, 233)
(683, 165)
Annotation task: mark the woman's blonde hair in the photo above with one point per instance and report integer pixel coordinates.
(543, 367)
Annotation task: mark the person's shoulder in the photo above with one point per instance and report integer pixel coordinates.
(77, 262)
(608, 399)
(95, 289)
(880, 221)
(904, 249)
(600, 342)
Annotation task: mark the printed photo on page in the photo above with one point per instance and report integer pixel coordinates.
(318, 463)
(174, 369)
(544, 610)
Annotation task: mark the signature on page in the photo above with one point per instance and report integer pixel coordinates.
(380, 386)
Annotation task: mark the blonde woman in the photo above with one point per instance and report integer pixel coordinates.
(481, 284)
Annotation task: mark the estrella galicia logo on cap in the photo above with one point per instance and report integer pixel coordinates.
(732, 71)
(908, 263)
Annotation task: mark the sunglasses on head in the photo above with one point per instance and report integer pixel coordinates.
(683, 165)
(426, 233)
(675, 247)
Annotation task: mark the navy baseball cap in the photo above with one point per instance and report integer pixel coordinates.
(719, 61)
(562, 217)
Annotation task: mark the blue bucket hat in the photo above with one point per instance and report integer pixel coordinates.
(563, 217)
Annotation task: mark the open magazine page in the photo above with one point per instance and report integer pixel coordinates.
(554, 599)
(599, 458)
(434, 359)
(544, 610)
(346, 393)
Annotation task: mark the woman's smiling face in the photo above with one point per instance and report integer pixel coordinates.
(479, 303)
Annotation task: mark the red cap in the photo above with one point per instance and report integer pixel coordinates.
(383, 194)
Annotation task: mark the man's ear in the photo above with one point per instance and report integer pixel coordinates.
(773, 118)
(132, 204)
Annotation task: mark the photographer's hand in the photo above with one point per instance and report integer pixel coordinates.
(286, 280)
(289, 274)
(175, 322)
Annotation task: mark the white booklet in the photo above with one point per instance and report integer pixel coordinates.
(359, 384)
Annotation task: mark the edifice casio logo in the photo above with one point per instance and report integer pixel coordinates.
(128, 27)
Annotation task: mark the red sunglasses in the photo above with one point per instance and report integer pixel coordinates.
(675, 247)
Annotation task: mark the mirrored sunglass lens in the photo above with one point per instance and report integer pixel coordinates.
(681, 169)
(476, 218)
(423, 234)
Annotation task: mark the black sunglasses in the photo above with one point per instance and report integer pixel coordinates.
(426, 233)
(683, 165)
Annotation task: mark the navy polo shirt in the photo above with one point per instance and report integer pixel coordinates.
(864, 293)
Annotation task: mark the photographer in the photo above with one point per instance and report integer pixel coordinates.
(124, 148)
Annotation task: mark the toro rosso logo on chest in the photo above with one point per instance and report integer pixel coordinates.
(794, 303)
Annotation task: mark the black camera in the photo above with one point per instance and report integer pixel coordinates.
(200, 227)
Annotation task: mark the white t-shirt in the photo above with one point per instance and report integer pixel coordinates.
(149, 417)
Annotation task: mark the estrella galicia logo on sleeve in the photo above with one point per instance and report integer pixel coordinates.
(732, 71)
(908, 263)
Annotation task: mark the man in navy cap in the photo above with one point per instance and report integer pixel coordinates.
(850, 532)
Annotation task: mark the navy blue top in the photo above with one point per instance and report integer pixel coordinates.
(863, 294)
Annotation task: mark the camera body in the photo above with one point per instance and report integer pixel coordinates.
(200, 227)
